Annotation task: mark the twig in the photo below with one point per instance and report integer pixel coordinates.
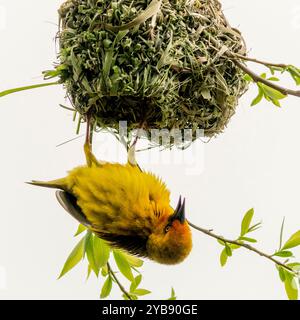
(244, 245)
(257, 78)
(70, 140)
(265, 63)
(253, 75)
(118, 282)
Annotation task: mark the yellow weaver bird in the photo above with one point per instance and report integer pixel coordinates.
(125, 206)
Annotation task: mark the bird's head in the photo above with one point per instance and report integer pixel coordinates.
(171, 241)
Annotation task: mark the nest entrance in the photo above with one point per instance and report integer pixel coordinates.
(150, 62)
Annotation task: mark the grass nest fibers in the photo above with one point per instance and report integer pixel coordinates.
(151, 63)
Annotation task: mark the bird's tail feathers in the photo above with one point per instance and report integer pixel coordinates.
(54, 184)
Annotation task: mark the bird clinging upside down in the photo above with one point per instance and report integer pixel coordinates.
(127, 207)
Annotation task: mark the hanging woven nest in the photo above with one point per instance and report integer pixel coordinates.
(151, 63)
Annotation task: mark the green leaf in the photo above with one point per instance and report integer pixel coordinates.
(248, 78)
(295, 73)
(133, 261)
(89, 249)
(273, 79)
(281, 274)
(173, 295)
(135, 283)
(104, 271)
(141, 292)
(230, 245)
(246, 221)
(74, 258)
(294, 241)
(281, 234)
(247, 239)
(81, 228)
(273, 94)
(223, 257)
(228, 250)
(88, 272)
(124, 296)
(221, 242)
(50, 74)
(276, 103)
(234, 246)
(7, 92)
(254, 227)
(271, 70)
(135, 269)
(259, 97)
(291, 287)
(123, 264)
(101, 252)
(106, 289)
(86, 240)
(283, 254)
(294, 265)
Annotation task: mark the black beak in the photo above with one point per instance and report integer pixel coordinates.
(179, 213)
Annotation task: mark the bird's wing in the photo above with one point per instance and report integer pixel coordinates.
(69, 203)
(135, 245)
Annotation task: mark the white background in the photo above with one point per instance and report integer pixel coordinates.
(254, 163)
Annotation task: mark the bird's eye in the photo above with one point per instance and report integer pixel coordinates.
(167, 228)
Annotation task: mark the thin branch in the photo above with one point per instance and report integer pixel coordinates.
(238, 243)
(257, 78)
(253, 75)
(73, 139)
(265, 63)
(244, 245)
(118, 282)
